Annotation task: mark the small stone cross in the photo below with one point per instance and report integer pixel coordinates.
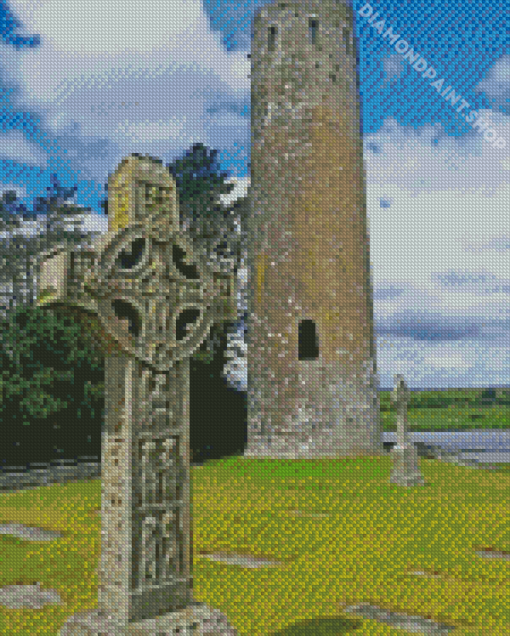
(150, 303)
(400, 395)
(406, 471)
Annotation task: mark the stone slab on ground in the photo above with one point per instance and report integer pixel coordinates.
(414, 624)
(28, 596)
(29, 533)
(32, 596)
(197, 619)
(243, 560)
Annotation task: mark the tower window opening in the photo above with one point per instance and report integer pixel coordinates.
(308, 343)
(271, 38)
(347, 40)
(313, 27)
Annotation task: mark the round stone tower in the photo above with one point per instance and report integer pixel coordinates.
(312, 387)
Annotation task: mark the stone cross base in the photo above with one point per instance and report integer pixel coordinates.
(196, 620)
(406, 471)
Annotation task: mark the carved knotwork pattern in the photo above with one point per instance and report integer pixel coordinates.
(165, 288)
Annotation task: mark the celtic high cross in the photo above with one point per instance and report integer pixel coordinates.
(400, 396)
(150, 302)
(406, 469)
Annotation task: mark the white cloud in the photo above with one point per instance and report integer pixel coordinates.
(241, 186)
(91, 223)
(109, 81)
(496, 84)
(15, 147)
(20, 190)
(393, 65)
(141, 132)
(104, 27)
(438, 212)
(450, 360)
(410, 159)
(444, 209)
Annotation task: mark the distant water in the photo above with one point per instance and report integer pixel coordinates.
(449, 388)
(498, 440)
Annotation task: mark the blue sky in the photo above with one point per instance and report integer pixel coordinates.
(86, 83)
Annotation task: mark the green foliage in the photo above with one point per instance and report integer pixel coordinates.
(488, 394)
(50, 367)
(200, 182)
(47, 369)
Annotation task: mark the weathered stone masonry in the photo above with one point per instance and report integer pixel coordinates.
(312, 386)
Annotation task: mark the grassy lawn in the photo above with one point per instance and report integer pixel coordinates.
(373, 536)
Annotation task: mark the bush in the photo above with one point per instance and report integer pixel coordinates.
(52, 390)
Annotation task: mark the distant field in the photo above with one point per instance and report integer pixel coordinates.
(449, 410)
(450, 419)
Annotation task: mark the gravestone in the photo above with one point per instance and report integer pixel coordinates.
(406, 471)
(149, 302)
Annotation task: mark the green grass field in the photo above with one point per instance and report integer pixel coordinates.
(455, 418)
(372, 537)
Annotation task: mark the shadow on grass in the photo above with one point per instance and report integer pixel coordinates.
(320, 627)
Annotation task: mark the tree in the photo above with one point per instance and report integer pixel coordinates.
(217, 411)
(10, 220)
(20, 253)
(56, 381)
(30, 397)
(200, 182)
(488, 396)
(59, 215)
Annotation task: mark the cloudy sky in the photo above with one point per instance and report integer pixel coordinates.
(86, 83)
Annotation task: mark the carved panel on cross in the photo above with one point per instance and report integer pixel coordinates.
(158, 402)
(160, 466)
(172, 552)
(160, 557)
(148, 574)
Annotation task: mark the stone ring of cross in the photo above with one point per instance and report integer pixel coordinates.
(151, 293)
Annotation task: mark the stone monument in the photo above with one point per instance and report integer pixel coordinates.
(406, 471)
(312, 380)
(149, 302)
